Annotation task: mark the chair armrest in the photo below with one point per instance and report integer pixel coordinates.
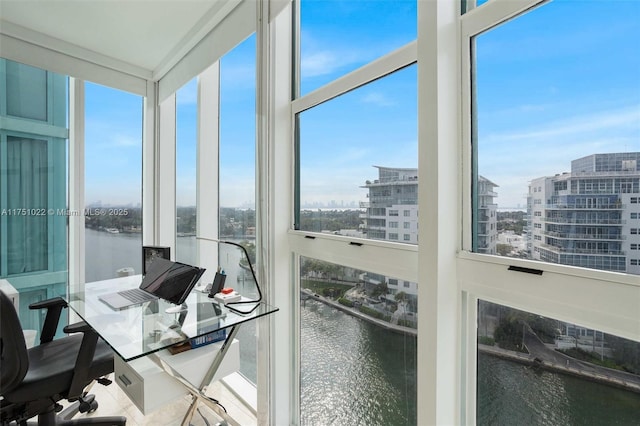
(84, 358)
(54, 309)
(78, 327)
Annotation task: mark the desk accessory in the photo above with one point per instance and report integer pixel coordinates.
(254, 302)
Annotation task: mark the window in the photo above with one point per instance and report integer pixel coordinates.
(393, 224)
(406, 225)
(33, 184)
(510, 101)
(515, 102)
(407, 237)
(393, 236)
(113, 183)
(407, 213)
(337, 181)
(342, 355)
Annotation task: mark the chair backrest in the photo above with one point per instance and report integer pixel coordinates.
(14, 359)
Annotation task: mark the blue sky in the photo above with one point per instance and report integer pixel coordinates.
(554, 85)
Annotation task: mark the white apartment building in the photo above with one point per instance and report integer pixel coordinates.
(392, 214)
(589, 217)
(486, 217)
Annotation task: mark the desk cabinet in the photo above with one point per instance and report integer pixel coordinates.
(150, 387)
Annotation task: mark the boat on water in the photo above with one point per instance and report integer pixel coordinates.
(112, 230)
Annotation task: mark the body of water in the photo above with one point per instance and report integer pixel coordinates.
(354, 373)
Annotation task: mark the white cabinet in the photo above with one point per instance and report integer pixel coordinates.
(150, 387)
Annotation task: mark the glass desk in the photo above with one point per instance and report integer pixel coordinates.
(147, 329)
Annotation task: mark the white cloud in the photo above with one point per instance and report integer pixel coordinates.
(378, 99)
(125, 141)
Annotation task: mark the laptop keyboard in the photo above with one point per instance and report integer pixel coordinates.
(136, 295)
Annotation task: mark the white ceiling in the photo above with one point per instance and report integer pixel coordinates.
(151, 35)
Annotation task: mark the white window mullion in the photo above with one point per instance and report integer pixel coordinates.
(76, 249)
(165, 178)
(439, 205)
(278, 381)
(207, 169)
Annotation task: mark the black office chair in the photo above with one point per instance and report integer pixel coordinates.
(32, 381)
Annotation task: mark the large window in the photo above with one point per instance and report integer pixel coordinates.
(356, 169)
(552, 159)
(357, 347)
(556, 135)
(113, 183)
(341, 139)
(33, 184)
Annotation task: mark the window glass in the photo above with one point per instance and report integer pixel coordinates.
(27, 92)
(556, 135)
(33, 185)
(541, 370)
(113, 183)
(237, 175)
(340, 36)
(186, 146)
(340, 140)
(357, 347)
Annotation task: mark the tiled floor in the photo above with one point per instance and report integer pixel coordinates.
(113, 402)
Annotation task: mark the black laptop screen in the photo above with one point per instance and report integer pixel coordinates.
(171, 281)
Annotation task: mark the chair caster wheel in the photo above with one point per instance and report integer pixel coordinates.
(88, 404)
(88, 407)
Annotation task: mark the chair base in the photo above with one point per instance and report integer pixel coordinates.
(64, 418)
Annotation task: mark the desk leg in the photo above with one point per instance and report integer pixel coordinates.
(207, 380)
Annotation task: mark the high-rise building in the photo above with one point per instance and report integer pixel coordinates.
(392, 214)
(392, 210)
(487, 229)
(589, 217)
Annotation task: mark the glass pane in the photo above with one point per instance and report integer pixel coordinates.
(113, 183)
(186, 147)
(340, 36)
(26, 91)
(33, 187)
(357, 347)
(237, 176)
(556, 136)
(358, 161)
(545, 371)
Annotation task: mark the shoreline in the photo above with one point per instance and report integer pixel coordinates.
(354, 312)
(601, 376)
(632, 385)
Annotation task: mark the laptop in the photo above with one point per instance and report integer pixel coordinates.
(171, 281)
